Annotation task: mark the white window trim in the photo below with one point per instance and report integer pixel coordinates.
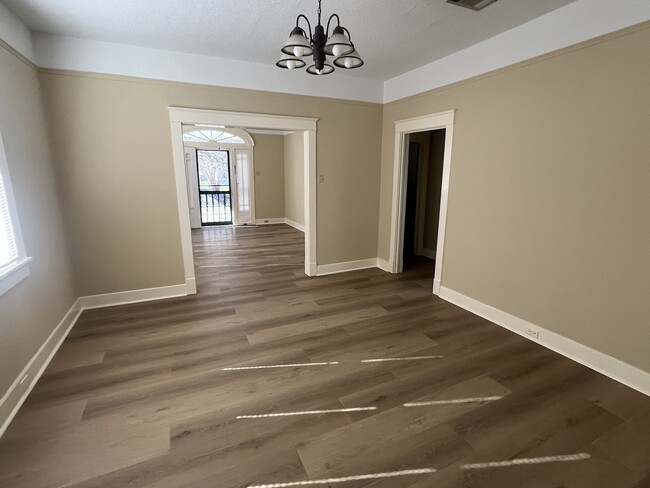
(17, 271)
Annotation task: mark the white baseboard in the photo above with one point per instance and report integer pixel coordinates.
(280, 220)
(295, 225)
(428, 253)
(614, 368)
(13, 399)
(436, 287)
(24, 383)
(135, 296)
(327, 269)
(385, 265)
(270, 221)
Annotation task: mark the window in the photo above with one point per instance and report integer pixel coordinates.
(13, 262)
(212, 135)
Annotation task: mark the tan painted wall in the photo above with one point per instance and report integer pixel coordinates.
(113, 150)
(31, 310)
(294, 177)
(268, 157)
(549, 200)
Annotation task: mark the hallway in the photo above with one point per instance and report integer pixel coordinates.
(269, 378)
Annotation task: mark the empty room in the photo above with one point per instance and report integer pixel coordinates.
(380, 243)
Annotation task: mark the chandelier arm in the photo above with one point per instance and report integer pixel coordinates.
(308, 25)
(338, 23)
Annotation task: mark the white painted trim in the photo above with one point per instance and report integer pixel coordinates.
(243, 119)
(344, 267)
(74, 54)
(295, 225)
(17, 393)
(384, 265)
(614, 368)
(133, 296)
(178, 116)
(310, 202)
(576, 22)
(11, 275)
(271, 221)
(15, 33)
(15, 396)
(441, 120)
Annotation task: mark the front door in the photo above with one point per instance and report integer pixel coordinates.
(215, 191)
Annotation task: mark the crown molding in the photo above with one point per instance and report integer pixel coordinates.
(73, 54)
(572, 24)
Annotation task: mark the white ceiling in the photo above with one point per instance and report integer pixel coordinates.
(393, 36)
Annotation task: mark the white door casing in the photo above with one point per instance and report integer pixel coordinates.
(441, 120)
(178, 116)
(192, 176)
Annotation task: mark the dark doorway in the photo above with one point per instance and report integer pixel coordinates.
(215, 192)
(410, 221)
(422, 205)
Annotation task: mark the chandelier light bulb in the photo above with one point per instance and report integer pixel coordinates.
(299, 51)
(338, 50)
(349, 62)
(291, 64)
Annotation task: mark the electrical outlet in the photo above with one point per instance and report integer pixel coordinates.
(533, 332)
(321, 178)
(266, 221)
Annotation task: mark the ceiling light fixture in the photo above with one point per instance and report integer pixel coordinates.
(319, 45)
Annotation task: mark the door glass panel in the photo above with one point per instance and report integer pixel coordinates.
(244, 190)
(214, 187)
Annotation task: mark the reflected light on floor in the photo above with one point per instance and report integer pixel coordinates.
(306, 412)
(360, 477)
(538, 460)
(296, 365)
(456, 400)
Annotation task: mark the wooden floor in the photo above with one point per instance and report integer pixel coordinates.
(150, 394)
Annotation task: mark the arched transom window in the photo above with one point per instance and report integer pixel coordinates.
(217, 136)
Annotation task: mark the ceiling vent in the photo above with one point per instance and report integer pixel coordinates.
(472, 4)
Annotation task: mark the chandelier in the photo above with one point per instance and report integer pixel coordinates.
(319, 45)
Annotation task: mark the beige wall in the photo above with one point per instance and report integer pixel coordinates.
(294, 177)
(113, 151)
(549, 197)
(268, 157)
(32, 309)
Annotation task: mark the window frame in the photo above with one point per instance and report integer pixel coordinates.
(18, 270)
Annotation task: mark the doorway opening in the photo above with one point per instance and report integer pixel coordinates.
(420, 190)
(219, 170)
(242, 177)
(422, 207)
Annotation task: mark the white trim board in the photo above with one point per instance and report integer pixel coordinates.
(574, 23)
(613, 368)
(280, 220)
(344, 267)
(134, 296)
(295, 224)
(75, 54)
(271, 221)
(440, 120)
(26, 380)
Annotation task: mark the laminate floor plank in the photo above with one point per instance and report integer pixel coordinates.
(269, 376)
